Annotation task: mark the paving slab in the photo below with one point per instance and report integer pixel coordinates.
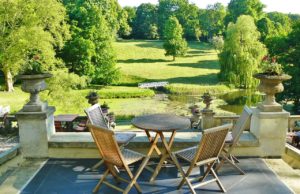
(74, 176)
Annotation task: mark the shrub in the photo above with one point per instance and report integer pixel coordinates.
(184, 89)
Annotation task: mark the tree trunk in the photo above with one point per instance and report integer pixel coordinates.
(8, 81)
(173, 58)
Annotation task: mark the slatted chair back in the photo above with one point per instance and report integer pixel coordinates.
(96, 117)
(107, 145)
(211, 143)
(241, 124)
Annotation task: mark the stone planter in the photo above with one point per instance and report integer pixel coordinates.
(34, 84)
(104, 110)
(207, 99)
(92, 99)
(270, 85)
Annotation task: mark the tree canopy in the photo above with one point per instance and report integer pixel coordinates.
(242, 53)
(187, 15)
(237, 8)
(212, 20)
(30, 25)
(146, 18)
(174, 44)
(89, 52)
(287, 51)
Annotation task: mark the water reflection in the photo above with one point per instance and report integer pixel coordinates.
(236, 100)
(233, 101)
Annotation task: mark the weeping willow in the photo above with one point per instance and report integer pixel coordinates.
(242, 53)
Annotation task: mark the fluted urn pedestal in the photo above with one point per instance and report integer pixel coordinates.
(270, 85)
(34, 84)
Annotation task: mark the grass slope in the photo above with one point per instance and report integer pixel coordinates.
(146, 62)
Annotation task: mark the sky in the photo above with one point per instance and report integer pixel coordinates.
(285, 6)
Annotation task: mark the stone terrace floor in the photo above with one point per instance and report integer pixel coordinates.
(73, 176)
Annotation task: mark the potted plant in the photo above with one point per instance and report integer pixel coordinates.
(271, 80)
(104, 107)
(92, 97)
(33, 80)
(207, 98)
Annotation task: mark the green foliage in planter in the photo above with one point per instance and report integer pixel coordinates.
(271, 67)
(35, 63)
(104, 105)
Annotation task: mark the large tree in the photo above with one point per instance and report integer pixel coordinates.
(131, 15)
(89, 52)
(124, 29)
(282, 23)
(266, 28)
(186, 13)
(145, 20)
(287, 51)
(237, 8)
(174, 44)
(212, 20)
(30, 25)
(242, 53)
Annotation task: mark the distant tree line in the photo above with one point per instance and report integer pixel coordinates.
(147, 21)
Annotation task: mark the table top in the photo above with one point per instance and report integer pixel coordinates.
(161, 122)
(66, 118)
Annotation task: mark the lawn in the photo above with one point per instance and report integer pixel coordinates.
(146, 62)
(142, 61)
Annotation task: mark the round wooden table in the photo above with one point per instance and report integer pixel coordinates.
(160, 123)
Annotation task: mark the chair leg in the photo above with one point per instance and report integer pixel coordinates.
(218, 180)
(235, 166)
(184, 179)
(95, 190)
(221, 163)
(190, 185)
(184, 175)
(134, 178)
(96, 166)
(235, 159)
(114, 173)
(209, 167)
(180, 170)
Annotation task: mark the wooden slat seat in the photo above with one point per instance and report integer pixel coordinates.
(206, 153)
(97, 118)
(113, 157)
(187, 154)
(131, 156)
(232, 140)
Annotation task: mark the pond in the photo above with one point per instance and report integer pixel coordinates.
(225, 104)
(232, 102)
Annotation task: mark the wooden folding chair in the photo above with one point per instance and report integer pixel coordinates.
(114, 157)
(206, 153)
(96, 117)
(232, 140)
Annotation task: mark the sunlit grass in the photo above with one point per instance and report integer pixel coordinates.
(145, 61)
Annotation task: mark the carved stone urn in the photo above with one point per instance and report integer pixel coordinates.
(270, 85)
(34, 84)
(93, 98)
(207, 98)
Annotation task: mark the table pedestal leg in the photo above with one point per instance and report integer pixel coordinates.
(165, 154)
